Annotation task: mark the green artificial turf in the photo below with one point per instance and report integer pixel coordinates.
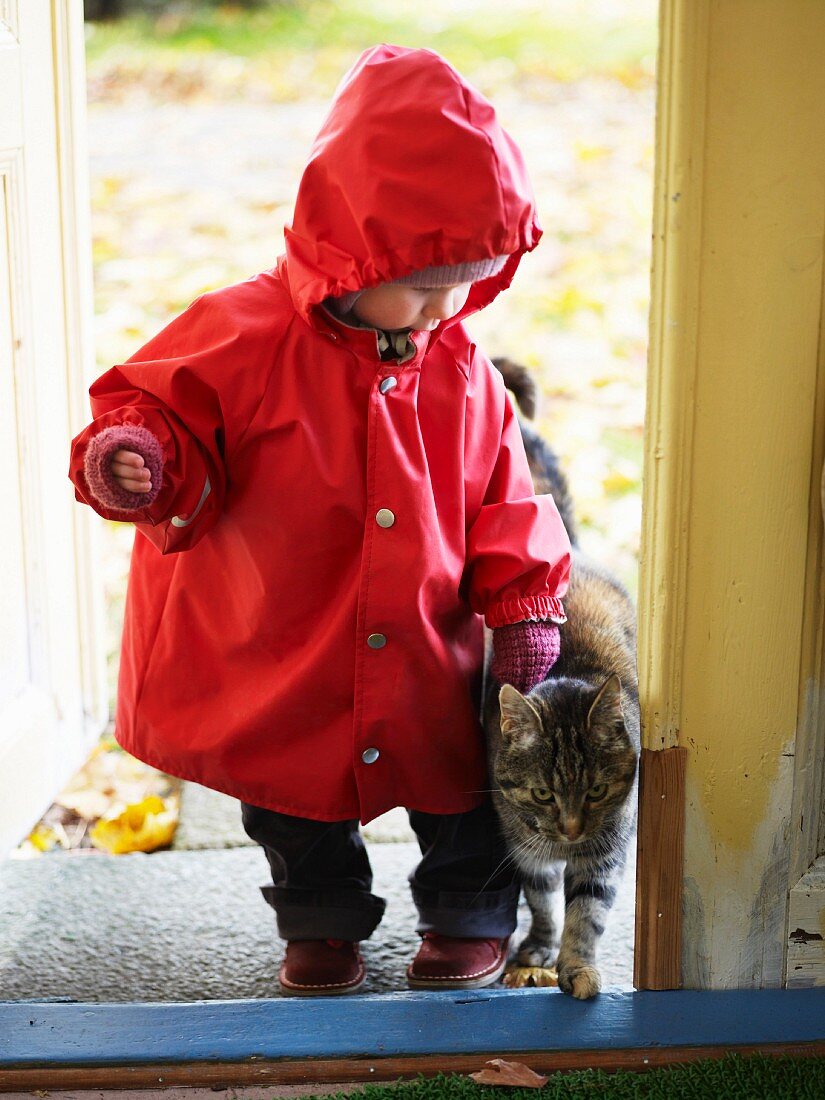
(731, 1078)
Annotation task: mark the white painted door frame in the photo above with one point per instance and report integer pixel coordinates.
(52, 670)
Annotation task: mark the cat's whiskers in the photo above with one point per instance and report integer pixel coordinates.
(605, 844)
(521, 849)
(529, 847)
(541, 861)
(546, 850)
(511, 857)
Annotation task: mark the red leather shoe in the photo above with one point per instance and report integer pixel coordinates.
(321, 968)
(450, 962)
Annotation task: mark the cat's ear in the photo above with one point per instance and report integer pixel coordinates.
(606, 709)
(519, 719)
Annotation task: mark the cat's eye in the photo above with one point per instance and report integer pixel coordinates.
(542, 794)
(597, 792)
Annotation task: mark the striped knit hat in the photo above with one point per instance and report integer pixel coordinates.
(431, 277)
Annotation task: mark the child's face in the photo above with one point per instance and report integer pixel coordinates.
(396, 306)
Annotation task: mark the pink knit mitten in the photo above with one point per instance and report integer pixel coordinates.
(98, 465)
(523, 653)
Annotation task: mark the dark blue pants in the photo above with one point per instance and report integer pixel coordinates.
(464, 885)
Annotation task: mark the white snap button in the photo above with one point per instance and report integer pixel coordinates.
(384, 517)
(377, 641)
(369, 756)
(388, 383)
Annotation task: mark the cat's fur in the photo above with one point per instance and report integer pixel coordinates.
(575, 731)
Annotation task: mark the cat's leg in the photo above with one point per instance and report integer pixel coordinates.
(589, 893)
(536, 957)
(541, 945)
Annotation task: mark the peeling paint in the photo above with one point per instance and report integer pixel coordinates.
(737, 759)
(734, 929)
(799, 935)
(809, 804)
(695, 956)
(806, 914)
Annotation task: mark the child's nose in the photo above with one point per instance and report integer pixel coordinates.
(440, 305)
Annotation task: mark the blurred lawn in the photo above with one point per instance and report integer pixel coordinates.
(200, 122)
(300, 47)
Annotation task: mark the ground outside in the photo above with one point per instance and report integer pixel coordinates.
(158, 973)
(190, 924)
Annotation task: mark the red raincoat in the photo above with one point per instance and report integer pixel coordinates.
(246, 664)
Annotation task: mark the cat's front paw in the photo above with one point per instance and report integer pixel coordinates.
(533, 953)
(579, 980)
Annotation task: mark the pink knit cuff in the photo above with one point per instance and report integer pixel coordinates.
(98, 462)
(535, 608)
(523, 653)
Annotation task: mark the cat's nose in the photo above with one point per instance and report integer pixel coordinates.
(571, 828)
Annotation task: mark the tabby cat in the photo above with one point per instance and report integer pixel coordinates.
(563, 758)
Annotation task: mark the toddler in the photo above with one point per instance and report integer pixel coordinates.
(332, 494)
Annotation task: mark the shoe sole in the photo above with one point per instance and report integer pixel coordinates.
(459, 983)
(321, 991)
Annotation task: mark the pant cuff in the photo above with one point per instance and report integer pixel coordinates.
(485, 916)
(324, 914)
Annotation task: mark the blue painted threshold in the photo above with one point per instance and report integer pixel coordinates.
(61, 1034)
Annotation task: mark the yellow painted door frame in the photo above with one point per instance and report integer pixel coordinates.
(731, 593)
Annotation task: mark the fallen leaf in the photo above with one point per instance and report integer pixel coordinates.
(617, 483)
(517, 977)
(43, 838)
(590, 152)
(86, 803)
(513, 1074)
(141, 827)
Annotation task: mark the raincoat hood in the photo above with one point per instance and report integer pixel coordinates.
(411, 169)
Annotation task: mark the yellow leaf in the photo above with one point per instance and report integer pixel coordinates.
(617, 483)
(43, 838)
(109, 186)
(141, 827)
(590, 152)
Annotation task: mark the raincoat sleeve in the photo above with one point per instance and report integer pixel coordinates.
(183, 400)
(518, 552)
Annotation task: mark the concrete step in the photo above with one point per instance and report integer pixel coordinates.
(191, 925)
(209, 819)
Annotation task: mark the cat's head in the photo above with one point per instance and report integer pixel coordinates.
(565, 763)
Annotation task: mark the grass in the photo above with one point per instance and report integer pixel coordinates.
(519, 40)
(732, 1078)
